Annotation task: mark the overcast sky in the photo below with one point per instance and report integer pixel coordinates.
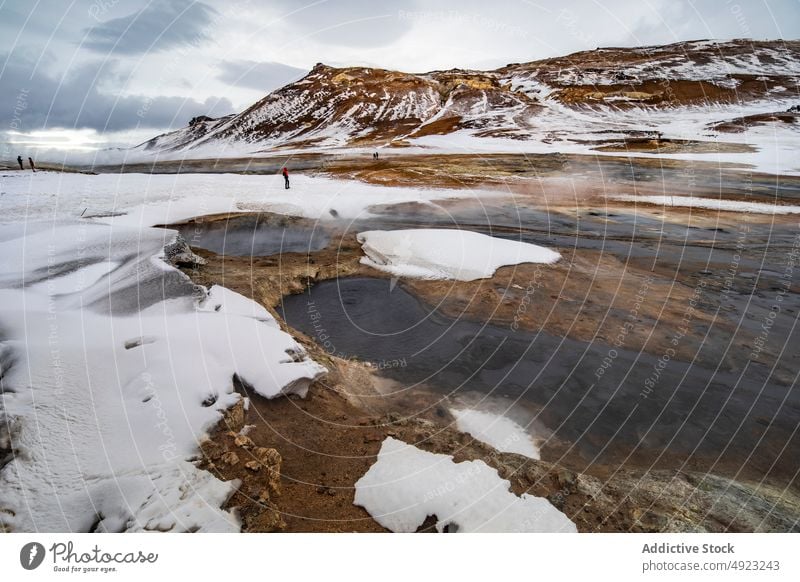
(112, 66)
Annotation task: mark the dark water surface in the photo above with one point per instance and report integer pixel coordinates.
(734, 419)
(250, 235)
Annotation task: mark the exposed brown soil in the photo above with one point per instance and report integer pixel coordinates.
(675, 146)
(741, 124)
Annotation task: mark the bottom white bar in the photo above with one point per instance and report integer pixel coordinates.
(355, 557)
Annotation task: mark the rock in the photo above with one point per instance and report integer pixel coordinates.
(395, 418)
(234, 416)
(254, 466)
(373, 437)
(271, 460)
(533, 473)
(267, 456)
(566, 479)
(243, 441)
(211, 450)
(179, 254)
(266, 520)
(230, 458)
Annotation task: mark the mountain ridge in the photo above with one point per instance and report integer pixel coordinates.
(578, 93)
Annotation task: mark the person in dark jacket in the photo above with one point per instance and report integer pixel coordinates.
(30, 161)
(285, 173)
(19, 161)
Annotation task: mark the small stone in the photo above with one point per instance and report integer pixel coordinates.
(243, 441)
(253, 465)
(234, 416)
(230, 458)
(566, 479)
(266, 520)
(271, 460)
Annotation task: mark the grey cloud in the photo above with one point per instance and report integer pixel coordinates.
(160, 25)
(264, 76)
(357, 23)
(39, 100)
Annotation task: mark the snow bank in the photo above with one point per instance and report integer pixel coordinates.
(497, 431)
(711, 204)
(407, 484)
(429, 253)
(114, 367)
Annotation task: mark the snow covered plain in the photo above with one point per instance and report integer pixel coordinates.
(407, 484)
(146, 199)
(113, 364)
(433, 253)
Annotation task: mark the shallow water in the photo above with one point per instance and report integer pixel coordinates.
(693, 414)
(244, 236)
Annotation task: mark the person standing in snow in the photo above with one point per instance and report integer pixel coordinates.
(19, 161)
(285, 173)
(30, 161)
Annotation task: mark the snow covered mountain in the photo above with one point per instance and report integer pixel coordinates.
(606, 92)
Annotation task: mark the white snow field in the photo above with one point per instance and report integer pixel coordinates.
(435, 253)
(407, 484)
(148, 199)
(711, 204)
(114, 366)
(495, 430)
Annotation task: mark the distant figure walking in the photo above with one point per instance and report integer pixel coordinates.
(19, 161)
(285, 173)
(33, 167)
(375, 156)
